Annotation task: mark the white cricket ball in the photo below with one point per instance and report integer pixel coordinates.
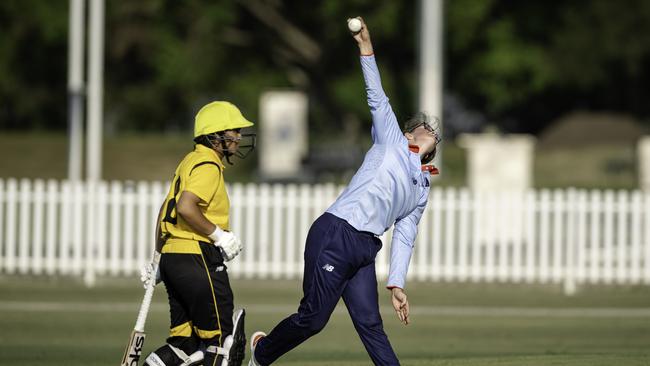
(354, 25)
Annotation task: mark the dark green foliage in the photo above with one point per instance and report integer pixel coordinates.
(520, 63)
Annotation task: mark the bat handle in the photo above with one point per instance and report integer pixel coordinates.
(148, 295)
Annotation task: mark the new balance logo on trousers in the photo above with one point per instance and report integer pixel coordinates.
(328, 267)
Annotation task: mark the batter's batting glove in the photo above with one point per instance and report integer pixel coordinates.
(147, 275)
(230, 245)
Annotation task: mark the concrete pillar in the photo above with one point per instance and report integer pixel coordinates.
(499, 171)
(499, 162)
(283, 134)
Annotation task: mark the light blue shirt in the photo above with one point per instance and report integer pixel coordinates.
(389, 187)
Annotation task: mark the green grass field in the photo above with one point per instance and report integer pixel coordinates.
(60, 322)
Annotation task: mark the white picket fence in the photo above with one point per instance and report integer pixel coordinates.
(570, 237)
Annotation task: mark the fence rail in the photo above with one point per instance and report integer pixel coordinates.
(565, 236)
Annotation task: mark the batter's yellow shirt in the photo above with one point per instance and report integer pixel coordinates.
(200, 172)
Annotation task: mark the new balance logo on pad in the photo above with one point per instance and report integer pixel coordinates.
(328, 267)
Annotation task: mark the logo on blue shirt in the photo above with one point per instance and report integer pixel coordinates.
(425, 182)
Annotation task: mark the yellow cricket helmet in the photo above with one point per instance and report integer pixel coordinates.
(219, 116)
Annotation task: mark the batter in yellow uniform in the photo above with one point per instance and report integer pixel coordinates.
(194, 237)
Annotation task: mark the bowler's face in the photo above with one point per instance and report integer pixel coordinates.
(425, 137)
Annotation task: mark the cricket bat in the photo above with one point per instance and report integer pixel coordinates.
(136, 342)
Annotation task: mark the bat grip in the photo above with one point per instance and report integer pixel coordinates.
(148, 295)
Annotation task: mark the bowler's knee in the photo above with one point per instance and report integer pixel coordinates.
(368, 321)
(311, 324)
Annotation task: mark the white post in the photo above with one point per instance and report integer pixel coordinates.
(581, 242)
(128, 239)
(635, 237)
(89, 267)
(38, 228)
(53, 197)
(11, 203)
(436, 229)
(24, 217)
(595, 237)
(75, 87)
(95, 90)
(304, 204)
(517, 238)
(63, 252)
(80, 221)
(290, 270)
(464, 209)
(489, 237)
(278, 199)
(531, 235)
(116, 202)
(101, 227)
(250, 238)
(502, 227)
(571, 242)
(263, 238)
(544, 235)
(608, 238)
(622, 228)
(449, 268)
(94, 125)
(236, 194)
(431, 68)
(644, 163)
(477, 236)
(557, 211)
(143, 233)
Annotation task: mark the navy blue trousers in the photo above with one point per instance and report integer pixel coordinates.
(339, 262)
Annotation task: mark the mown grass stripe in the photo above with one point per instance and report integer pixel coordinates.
(482, 311)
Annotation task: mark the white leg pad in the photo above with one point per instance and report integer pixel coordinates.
(154, 360)
(223, 351)
(187, 360)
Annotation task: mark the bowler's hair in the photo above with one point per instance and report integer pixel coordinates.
(420, 119)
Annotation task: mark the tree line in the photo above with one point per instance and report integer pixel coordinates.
(515, 64)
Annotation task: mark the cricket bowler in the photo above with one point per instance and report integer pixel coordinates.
(390, 188)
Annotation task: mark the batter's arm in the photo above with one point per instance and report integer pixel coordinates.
(188, 208)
